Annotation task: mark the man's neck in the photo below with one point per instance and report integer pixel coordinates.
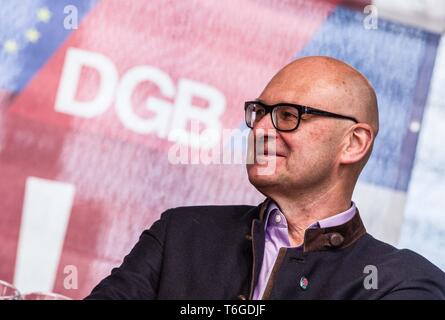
(305, 209)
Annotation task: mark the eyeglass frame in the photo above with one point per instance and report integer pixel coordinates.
(301, 111)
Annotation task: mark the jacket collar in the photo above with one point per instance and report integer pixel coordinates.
(321, 239)
(336, 237)
(257, 238)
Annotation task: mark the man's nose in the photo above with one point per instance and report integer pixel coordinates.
(265, 123)
(265, 131)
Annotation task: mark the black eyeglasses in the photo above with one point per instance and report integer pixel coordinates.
(285, 116)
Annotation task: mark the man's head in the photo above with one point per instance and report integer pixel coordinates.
(322, 151)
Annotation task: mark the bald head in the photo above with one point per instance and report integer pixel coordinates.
(329, 84)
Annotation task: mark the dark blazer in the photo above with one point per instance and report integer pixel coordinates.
(211, 252)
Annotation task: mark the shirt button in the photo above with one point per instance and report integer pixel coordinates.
(277, 218)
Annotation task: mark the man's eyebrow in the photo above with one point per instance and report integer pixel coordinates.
(264, 102)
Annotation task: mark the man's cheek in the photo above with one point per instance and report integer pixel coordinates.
(318, 134)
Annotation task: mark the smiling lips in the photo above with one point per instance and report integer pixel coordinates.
(266, 153)
(264, 143)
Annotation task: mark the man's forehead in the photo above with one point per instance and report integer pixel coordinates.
(310, 93)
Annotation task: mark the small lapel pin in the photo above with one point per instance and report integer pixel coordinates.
(304, 283)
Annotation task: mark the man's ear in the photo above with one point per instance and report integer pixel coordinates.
(358, 142)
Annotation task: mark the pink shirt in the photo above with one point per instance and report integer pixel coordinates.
(276, 236)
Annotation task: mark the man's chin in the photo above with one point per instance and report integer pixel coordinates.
(264, 165)
(261, 175)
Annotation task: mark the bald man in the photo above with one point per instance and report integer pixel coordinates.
(312, 129)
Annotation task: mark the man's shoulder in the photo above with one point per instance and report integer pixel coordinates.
(390, 251)
(210, 214)
(406, 263)
(211, 209)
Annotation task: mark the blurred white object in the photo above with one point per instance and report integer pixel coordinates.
(46, 212)
(8, 291)
(426, 14)
(44, 296)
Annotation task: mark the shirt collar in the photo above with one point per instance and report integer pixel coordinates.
(332, 221)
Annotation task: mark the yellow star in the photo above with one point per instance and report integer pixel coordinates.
(10, 46)
(32, 35)
(43, 14)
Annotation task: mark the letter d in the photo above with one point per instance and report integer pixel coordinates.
(66, 101)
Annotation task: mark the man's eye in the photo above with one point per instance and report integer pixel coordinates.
(288, 115)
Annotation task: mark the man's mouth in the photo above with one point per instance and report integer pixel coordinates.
(267, 159)
(271, 153)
